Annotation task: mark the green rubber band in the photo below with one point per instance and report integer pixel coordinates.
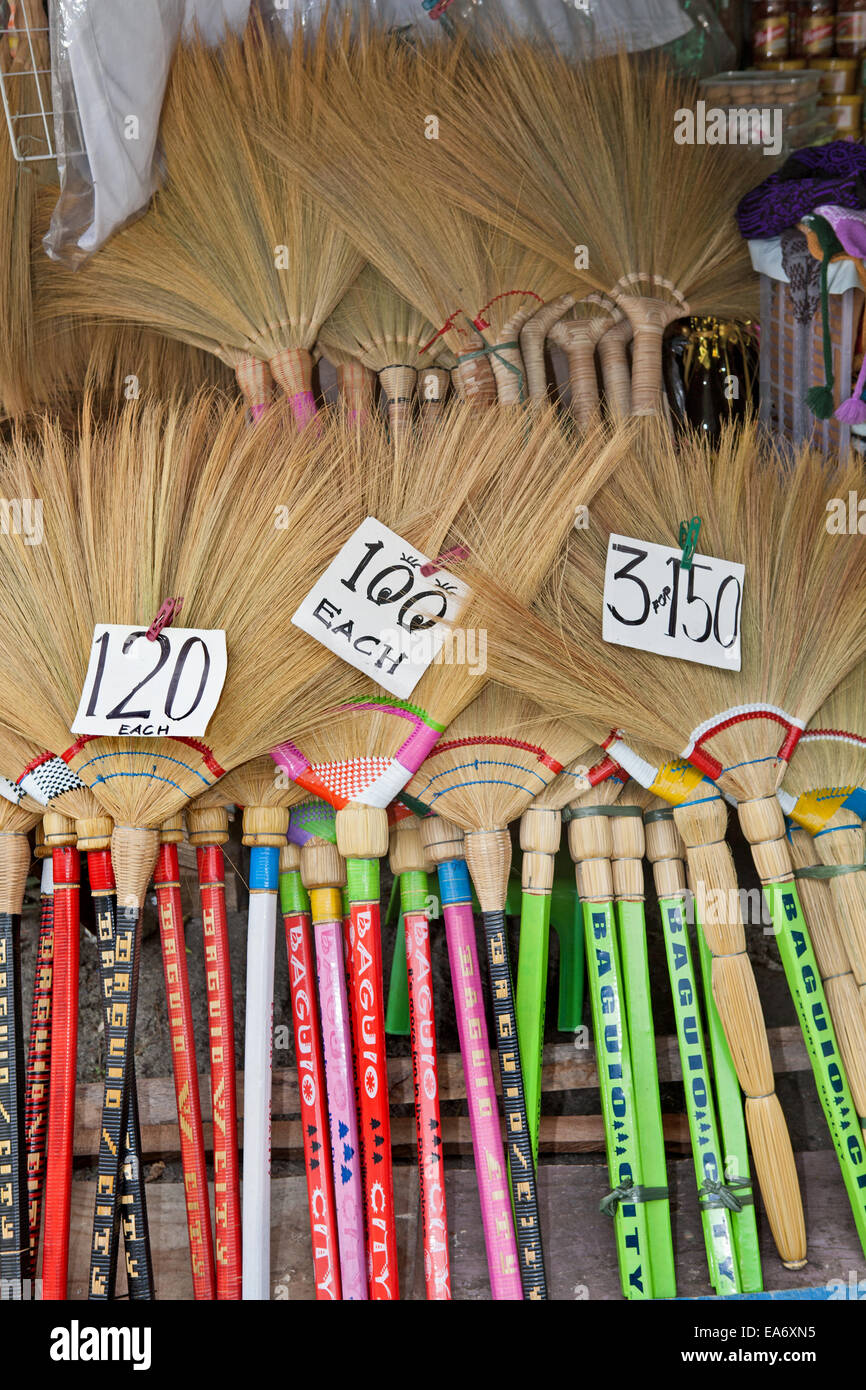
(362, 880)
(822, 871)
(581, 812)
(712, 1193)
(611, 1201)
(661, 813)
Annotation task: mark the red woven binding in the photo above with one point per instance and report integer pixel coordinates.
(64, 1052)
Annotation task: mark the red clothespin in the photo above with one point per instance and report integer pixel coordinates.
(458, 552)
(164, 618)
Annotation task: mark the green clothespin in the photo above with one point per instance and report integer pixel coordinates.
(689, 532)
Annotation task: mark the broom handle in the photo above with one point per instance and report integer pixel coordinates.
(293, 372)
(356, 385)
(38, 1085)
(398, 388)
(703, 1127)
(136, 1232)
(531, 1000)
(294, 905)
(615, 370)
(256, 385)
(221, 1026)
(524, 1192)
(532, 339)
(617, 1095)
(334, 1003)
(496, 1215)
(14, 1224)
(425, 1069)
(804, 982)
(168, 901)
(366, 989)
(649, 318)
(258, 1061)
(729, 1099)
(631, 924)
(119, 1034)
(61, 1108)
(566, 918)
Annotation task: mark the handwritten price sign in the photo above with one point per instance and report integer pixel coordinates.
(167, 688)
(653, 604)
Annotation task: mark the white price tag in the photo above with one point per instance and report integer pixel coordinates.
(167, 688)
(652, 603)
(375, 609)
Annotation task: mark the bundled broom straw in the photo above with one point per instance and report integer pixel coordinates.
(476, 285)
(233, 255)
(646, 220)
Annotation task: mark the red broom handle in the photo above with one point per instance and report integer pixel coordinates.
(368, 1029)
(221, 1025)
(428, 1122)
(313, 1099)
(166, 880)
(38, 1084)
(61, 1109)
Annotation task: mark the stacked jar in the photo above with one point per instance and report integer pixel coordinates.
(827, 35)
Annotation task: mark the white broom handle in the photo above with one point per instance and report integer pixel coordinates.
(258, 1058)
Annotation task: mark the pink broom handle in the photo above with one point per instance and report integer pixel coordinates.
(496, 1216)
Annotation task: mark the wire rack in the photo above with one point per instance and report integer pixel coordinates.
(25, 80)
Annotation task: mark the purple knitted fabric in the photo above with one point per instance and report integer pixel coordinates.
(833, 173)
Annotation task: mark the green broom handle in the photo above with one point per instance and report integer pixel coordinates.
(531, 998)
(707, 1152)
(617, 1097)
(566, 918)
(631, 922)
(804, 982)
(397, 1009)
(729, 1099)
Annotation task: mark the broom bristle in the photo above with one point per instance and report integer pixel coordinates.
(376, 325)
(233, 252)
(256, 783)
(496, 757)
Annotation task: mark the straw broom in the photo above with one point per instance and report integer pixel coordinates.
(665, 853)
(208, 830)
(295, 908)
(498, 754)
(383, 332)
(444, 843)
(233, 253)
(410, 865)
(646, 221)
(323, 875)
(478, 287)
(266, 803)
(361, 761)
(224, 583)
(578, 334)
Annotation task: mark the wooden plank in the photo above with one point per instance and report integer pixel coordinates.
(566, 1068)
(557, 1134)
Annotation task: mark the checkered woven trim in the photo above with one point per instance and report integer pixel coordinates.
(48, 777)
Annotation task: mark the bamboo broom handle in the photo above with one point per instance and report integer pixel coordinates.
(61, 1106)
(398, 387)
(763, 825)
(577, 338)
(488, 856)
(322, 874)
(840, 844)
(627, 853)
(664, 851)
(533, 335)
(356, 385)
(540, 833)
(14, 1228)
(38, 1080)
(208, 832)
(649, 318)
(845, 1000)
(444, 844)
(591, 846)
(409, 864)
(473, 376)
(295, 907)
(256, 384)
(184, 1065)
(293, 372)
(702, 823)
(506, 360)
(433, 384)
(615, 371)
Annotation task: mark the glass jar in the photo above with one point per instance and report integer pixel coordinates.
(851, 29)
(771, 30)
(817, 33)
